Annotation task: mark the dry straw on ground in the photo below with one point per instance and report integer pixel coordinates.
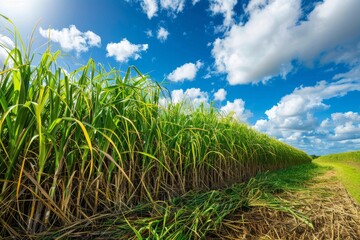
(332, 212)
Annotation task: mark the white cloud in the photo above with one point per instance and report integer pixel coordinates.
(209, 73)
(191, 98)
(274, 36)
(296, 110)
(354, 73)
(193, 95)
(6, 44)
(220, 95)
(173, 6)
(224, 7)
(149, 33)
(348, 54)
(237, 107)
(254, 5)
(185, 72)
(339, 133)
(341, 126)
(124, 50)
(195, 2)
(294, 120)
(72, 39)
(150, 7)
(162, 34)
(93, 39)
(348, 116)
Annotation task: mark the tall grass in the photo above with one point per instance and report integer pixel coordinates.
(94, 141)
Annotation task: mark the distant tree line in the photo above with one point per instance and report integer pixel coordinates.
(314, 156)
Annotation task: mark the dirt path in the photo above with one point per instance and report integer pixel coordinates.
(332, 215)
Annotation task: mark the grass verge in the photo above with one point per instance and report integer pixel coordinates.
(347, 167)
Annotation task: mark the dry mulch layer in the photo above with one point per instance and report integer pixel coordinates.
(331, 212)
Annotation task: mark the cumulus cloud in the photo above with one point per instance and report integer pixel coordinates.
(294, 119)
(220, 95)
(338, 133)
(274, 35)
(162, 34)
(296, 110)
(192, 95)
(195, 2)
(125, 50)
(191, 98)
(72, 39)
(185, 72)
(341, 126)
(225, 8)
(237, 108)
(92, 39)
(150, 7)
(6, 44)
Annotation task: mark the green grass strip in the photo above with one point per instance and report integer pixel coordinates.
(347, 167)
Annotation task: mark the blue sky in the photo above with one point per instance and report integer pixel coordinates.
(290, 69)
